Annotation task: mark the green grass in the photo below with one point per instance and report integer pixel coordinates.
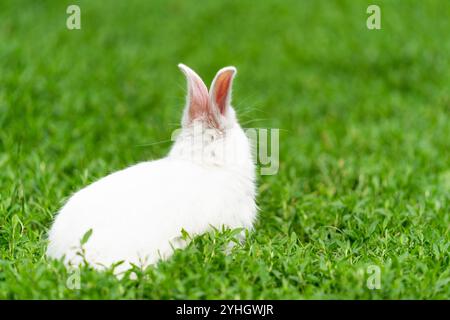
(364, 115)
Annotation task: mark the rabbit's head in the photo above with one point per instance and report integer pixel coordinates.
(210, 132)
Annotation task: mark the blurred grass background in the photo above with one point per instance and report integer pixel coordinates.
(364, 115)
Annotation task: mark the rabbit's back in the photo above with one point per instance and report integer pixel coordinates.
(135, 214)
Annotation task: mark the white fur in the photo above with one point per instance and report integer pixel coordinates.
(137, 214)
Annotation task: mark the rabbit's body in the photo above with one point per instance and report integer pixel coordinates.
(137, 214)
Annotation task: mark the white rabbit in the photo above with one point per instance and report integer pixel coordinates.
(137, 214)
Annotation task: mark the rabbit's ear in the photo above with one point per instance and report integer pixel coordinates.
(220, 91)
(197, 103)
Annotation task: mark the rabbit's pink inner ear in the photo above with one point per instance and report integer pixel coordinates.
(198, 99)
(222, 89)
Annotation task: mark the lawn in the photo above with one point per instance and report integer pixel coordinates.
(363, 186)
